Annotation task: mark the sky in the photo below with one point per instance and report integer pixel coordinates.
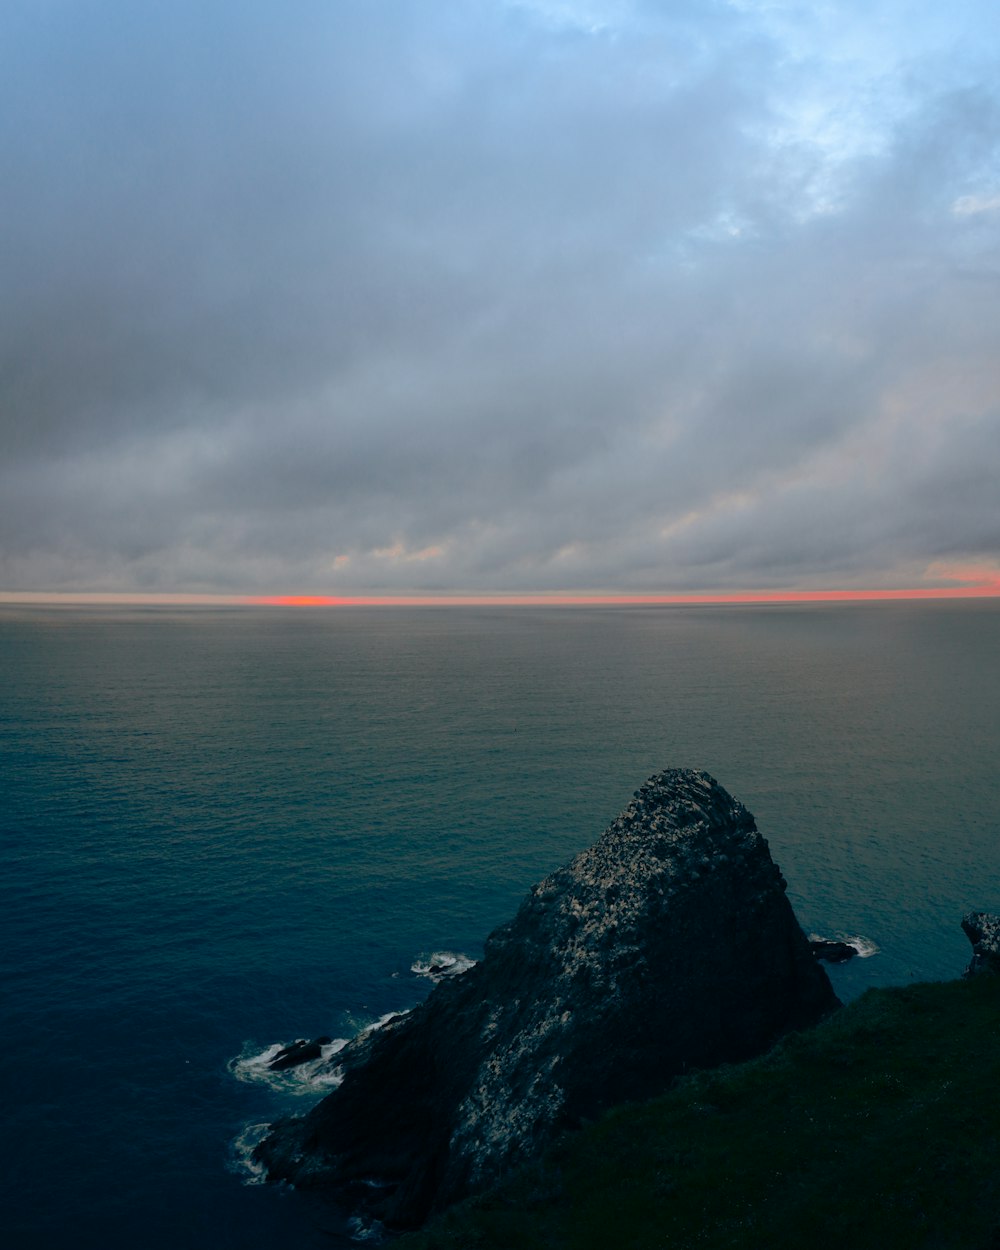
(334, 298)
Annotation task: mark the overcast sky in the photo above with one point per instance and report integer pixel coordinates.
(347, 296)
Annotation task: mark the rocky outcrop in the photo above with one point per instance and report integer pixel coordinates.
(982, 928)
(667, 946)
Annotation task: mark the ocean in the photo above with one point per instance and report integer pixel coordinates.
(224, 829)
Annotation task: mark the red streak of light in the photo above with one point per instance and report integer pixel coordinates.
(984, 589)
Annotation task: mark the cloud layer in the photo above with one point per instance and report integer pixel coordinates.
(343, 297)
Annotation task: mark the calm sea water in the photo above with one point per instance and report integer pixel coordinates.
(227, 829)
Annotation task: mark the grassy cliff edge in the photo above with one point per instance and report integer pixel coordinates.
(878, 1128)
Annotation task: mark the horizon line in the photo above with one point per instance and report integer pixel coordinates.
(985, 590)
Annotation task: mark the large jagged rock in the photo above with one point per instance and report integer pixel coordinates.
(667, 946)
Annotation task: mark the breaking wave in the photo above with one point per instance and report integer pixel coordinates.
(314, 1076)
(241, 1160)
(864, 947)
(441, 964)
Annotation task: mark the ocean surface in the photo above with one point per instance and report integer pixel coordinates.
(226, 829)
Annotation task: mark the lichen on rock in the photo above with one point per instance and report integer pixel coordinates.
(668, 945)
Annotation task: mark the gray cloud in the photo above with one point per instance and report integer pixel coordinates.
(483, 295)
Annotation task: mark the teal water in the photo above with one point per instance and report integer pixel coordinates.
(222, 829)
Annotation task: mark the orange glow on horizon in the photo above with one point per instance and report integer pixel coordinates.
(972, 583)
(980, 591)
(969, 581)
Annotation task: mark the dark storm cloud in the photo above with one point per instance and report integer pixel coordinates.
(344, 296)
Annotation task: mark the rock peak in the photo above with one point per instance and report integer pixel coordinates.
(667, 945)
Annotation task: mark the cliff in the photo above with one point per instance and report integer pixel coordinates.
(669, 945)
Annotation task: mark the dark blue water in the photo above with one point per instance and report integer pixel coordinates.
(226, 829)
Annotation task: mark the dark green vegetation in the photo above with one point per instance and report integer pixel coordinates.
(878, 1128)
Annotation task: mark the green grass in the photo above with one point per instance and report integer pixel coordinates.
(880, 1128)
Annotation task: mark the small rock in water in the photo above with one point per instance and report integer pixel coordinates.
(299, 1052)
(832, 952)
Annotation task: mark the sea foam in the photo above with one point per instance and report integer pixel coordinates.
(441, 964)
(864, 947)
(241, 1154)
(313, 1077)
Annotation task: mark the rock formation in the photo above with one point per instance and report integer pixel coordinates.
(982, 929)
(667, 946)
